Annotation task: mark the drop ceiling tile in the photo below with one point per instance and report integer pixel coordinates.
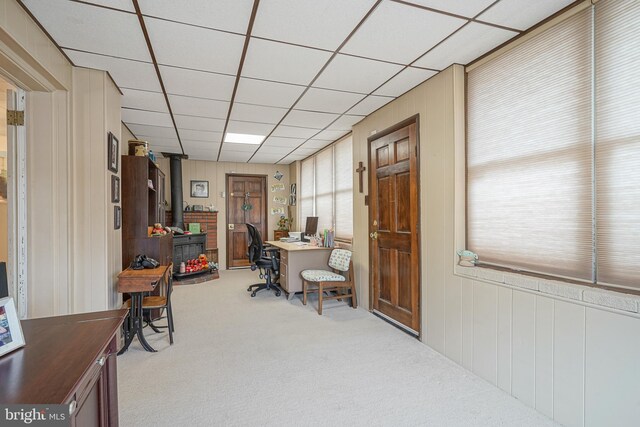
(266, 159)
(244, 148)
(126, 74)
(179, 81)
(274, 150)
(370, 104)
(469, 43)
(522, 14)
(152, 131)
(142, 117)
(251, 128)
(400, 33)
(345, 123)
(330, 101)
(158, 144)
(144, 100)
(294, 132)
(201, 149)
(330, 135)
(208, 155)
(406, 80)
(190, 106)
(309, 119)
(316, 144)
(200, 135)
(257, 113)
(269, 94)
(234, 156)
(200, 145)
(283, 62)
(305, 151)
(193, 47)
(322, 24)
(355, 74)
(467, 8)
(126, 5)
(228, 15)
(199, 123)
(92, 29)
(276, 141)
(292, 158)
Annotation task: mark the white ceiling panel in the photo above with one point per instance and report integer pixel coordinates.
(345, 122)
(116, 4)
(400, 33)
(464, 46)
(316, 143)
(199, 123)
(200, 150)
(144, 100)
(294, 132)
(209, 155)
(200, 135)
(257, 113)
(322, 24)
(234, 156)
(330, 135)
(90, 28)
(190, 106)
(265, 158)
(153, 131)
(267, 93)
(245, 148)
(251, 128)
(283, 62)
(370, 104)
(193, 47)
(309, 119)
(274, 150)
(355, 74)
(407, 79)
(228, 15)
(142, 117)
(158, 144)
(178, 81)
(277, 141)
(522, 14)
(129, 74)
(200, 145)
(305, 151)
(292, 158)
(468, 8)
(330, 101)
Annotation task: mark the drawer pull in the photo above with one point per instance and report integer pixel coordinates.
(101, 361)
(72, 407)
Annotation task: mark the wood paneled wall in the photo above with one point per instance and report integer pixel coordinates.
(573, 362)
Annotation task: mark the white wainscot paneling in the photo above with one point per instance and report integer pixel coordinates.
(544, 355)
(485, 321)
(505, 297)
(467, 323)
(523, 383)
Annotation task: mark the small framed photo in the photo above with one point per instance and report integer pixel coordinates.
(115, 189)
(117, 218)
(113, 152)
(200, 189)
(11, 337)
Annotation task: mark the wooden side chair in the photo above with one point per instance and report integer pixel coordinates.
(160, 302)
(321, 281)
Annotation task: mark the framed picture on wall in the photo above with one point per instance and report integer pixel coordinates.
(117, 217)
(113, 152)
(11, 337)
(115, 189)
(200, 189)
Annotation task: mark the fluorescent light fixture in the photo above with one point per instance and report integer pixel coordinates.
(243, 138)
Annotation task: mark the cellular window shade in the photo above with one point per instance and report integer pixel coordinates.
(344, 188)
(324, 189)
(617, 161)
(529, 154)
(306, 190)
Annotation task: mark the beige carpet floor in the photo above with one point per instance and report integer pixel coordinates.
(266, 361)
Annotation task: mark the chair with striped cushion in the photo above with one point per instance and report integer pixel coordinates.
(339, 280)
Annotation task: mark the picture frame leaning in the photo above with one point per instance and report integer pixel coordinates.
(11, 337)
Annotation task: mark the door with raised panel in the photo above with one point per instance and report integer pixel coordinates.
(394, 227)
(246, 203)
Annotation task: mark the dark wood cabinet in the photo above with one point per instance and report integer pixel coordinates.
(69, 360)
(279, 234)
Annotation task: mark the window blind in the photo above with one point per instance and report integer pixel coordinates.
(617, 126)
(306, 190)
(529, 153)
(324, 189)
(344, 188)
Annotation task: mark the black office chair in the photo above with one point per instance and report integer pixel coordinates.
(264, 259)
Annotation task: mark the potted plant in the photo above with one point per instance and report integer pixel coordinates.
(283, 223)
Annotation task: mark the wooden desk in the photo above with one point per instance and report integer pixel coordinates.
(136, 282)
(294, 259)
(67, 360)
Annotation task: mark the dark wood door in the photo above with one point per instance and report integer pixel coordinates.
(246, 203)
(394, 226)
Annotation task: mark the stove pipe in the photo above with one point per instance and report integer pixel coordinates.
(176, 190)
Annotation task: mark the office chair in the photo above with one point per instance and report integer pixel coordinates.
(263, 259)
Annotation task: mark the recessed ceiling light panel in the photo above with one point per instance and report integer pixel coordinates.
(243, 138)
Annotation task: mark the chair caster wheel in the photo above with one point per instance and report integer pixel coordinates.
(277, 294)
(253, 294)
(249, 289)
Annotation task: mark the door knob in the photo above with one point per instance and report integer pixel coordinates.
(232, 226)
(374, 235)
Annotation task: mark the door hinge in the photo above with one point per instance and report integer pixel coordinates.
(15, 118)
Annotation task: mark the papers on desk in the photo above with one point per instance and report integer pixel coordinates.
(300, 243)
(289, 239)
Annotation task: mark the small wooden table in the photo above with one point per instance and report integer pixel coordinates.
(136, 283)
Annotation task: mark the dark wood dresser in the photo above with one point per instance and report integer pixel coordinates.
(67, 360)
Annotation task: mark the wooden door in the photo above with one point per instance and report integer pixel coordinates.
(246, 203)
(394, 226)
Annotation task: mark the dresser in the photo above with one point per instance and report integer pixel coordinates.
(68, 360)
